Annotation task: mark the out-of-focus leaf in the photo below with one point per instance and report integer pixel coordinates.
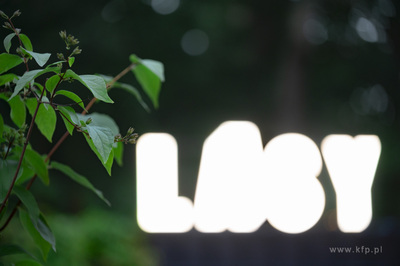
(36, 162)
(7, 172)
(68, 171)
(27, 224)
(29, 201)
(1, 126)
(12, 249)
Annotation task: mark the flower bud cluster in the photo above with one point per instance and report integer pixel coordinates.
(130, 137)
(69, 40)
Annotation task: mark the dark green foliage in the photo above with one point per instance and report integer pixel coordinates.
(36, 89)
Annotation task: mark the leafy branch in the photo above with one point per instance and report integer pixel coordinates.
(36, 90)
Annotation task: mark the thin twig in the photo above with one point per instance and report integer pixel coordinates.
(20, 43)
(22, 155)
(110, 84)
(8, 148)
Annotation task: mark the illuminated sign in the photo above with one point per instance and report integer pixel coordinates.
(241, 184)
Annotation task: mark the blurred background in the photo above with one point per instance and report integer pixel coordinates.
(312, 67)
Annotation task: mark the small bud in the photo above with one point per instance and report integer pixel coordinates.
(16, 14)
(63, 34)
(130, 131)
(7, 25)
(3, 15)
(72, 40)
(133, 138)
(88, 121)
(117, 138)
(76, 51)
(19, 51)
(60, 56)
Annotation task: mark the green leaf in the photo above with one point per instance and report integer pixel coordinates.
(79, 179)
(11, 249)
(156, 67)
(27, 224)
(27, 174)
(46, 119)
(52, 82)
(18, 111)
(68, 116)
(132, 90)
(72, 96)
(94, 83)
(110, 159)
(36, 162)
(26, 42)
(7, 172)
(103, 140)
(149, 74)
(45, 231)
(7, 41)
(41, 59)
(101, 120)
(28, 262)
(118, 153)
(71, 61)
(29, 201)
(25, 79)
(128, 88)
(1, 126)
(29, 76)
(9, 61)
(7, 78)
(55, 63)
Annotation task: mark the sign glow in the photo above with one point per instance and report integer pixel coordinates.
(352, 163)
(241, 184)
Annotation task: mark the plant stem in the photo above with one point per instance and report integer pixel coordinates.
(109, 85)
(22, 154)
(8, 148)
(20, 43)
(57, 145)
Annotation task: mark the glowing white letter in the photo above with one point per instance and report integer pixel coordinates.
(228, 187)
(352, 163)
(295, 197)
(159, 209)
